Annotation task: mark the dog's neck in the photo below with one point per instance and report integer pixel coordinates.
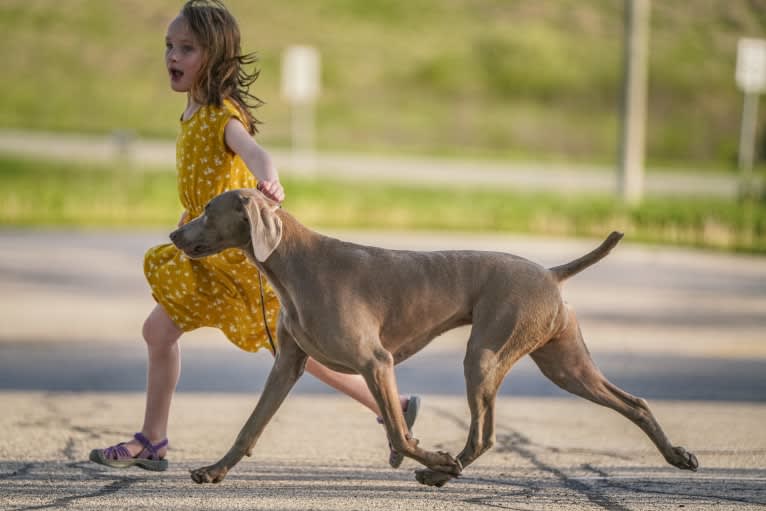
(295, 238)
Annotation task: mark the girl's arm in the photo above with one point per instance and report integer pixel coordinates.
(256, 158)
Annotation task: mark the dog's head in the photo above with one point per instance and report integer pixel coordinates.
(237, 218)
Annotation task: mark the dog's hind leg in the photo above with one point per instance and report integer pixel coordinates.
(565, 361)
(381, 380)
(484, 366)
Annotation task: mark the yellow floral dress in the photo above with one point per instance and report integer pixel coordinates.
(222, 290)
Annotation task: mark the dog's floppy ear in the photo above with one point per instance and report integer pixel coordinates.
(265, 225)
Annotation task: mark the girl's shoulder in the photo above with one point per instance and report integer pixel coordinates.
(227, 110)
(215, 118)
(232, 109)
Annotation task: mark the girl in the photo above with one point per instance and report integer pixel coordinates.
(215, 152)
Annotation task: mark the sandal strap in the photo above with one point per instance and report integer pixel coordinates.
(116, 452)
(148, 446)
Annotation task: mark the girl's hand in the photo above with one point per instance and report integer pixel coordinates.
(272, 189)
(182, 220)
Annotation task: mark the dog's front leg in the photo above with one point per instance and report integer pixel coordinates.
(287, 368)
(381, 380)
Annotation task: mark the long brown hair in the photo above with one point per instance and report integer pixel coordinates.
(223, 73)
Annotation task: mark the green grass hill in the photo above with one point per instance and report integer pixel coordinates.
(483, 78)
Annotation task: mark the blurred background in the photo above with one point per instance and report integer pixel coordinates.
(452, 123)
(518, 93)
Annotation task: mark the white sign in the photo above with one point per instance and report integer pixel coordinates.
(751, 65)
(300, 74)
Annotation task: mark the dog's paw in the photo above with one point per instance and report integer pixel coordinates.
(683, 459)
(444, 462)
(212, 474)
(432, 478)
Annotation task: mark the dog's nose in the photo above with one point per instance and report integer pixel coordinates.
(175, 235)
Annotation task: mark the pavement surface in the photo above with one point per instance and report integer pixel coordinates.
(681, 328)
(330, 454)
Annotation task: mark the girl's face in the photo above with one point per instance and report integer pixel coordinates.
(183, 55)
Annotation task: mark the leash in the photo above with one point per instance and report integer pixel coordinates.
(263, 312)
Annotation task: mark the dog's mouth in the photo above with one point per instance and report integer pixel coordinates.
(196, 251)
(192, 250)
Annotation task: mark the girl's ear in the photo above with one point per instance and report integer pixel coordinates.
(265, 226)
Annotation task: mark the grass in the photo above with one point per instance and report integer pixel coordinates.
(42, 193)
(494, 78)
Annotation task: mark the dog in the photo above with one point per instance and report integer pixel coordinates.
(362, 309)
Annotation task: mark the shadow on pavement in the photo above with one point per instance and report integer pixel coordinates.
(263, 486)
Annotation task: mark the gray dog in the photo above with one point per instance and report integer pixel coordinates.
(359, 309)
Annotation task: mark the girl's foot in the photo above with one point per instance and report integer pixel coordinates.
(410, 409)
(139, 452)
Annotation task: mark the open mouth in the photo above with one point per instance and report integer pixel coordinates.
(175, 74)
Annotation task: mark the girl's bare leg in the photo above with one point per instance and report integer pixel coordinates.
(161, 336)
(164, 366)
(353, 385)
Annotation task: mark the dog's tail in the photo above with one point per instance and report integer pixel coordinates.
(565, 271)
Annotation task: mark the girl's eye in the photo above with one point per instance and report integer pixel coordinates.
(187, 49)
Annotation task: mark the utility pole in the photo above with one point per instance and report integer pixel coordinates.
(634, 92)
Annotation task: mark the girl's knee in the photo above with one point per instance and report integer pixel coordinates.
(159, 329)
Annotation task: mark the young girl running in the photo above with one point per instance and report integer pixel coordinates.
(215, 152)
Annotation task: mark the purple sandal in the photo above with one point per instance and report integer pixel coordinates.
(118, 456)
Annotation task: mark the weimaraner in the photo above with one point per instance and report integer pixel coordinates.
(360, 309)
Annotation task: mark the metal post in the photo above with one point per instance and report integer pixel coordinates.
(300, 86)
(747, 142)
(635, 75)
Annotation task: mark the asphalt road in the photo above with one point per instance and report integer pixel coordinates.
(327, 453)
(663, 323)
(682, 328)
